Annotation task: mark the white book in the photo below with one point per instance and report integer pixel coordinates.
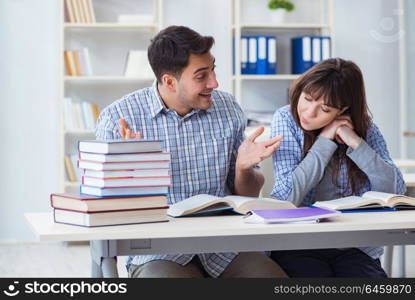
(137, 65)
(90, 115)
(91, 11)
(85, 62)
(124, 182)
(126, 173)
(204, 203)
(85, 8)
(100, 166)
(74, 160)
(77, 116)
(67, 114)
(85, 118)
(110, 218)
(368, 200)
(130, 157)
(119, 146)
(124, 191)
(82, 11)
(77, 12)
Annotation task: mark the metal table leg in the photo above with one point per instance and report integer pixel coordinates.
(104, 263)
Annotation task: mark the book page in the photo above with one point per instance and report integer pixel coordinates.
(192, 204)
(243, 204)
(345, 203)
(392, 199)
(379, 195)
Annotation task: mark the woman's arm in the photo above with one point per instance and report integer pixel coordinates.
(373, 158)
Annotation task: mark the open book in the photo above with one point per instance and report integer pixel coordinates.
(204, 203)
(368, 200)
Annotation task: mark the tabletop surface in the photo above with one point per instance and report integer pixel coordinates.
(45, 229)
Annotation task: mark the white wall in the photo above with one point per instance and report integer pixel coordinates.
(208, 18)
(29, 87)
(29, 158)
(364, 33)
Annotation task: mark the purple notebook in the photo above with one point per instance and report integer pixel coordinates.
(289, 215)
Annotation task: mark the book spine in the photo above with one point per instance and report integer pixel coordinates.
(91, 10)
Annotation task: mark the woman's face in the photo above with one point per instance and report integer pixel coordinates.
(313, 113)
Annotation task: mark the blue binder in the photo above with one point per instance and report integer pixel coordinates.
(325, 47)
(316, 49)
(244, 55)
(262, 62)
(272, 55)
(301, 54)
(252, 55)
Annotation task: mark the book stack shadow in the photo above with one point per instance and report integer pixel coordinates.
(123, 182)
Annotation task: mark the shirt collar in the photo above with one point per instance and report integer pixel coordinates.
(157, 103)
(159, 106)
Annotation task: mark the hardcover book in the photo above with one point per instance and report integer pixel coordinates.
(85, 203)
(126, 173)
(119, 146)
(126, 182)
(124, 191)
(368, 200)
(110, 218)
(130, 157)
(204, 203)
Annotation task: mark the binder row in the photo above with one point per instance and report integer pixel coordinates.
(308, 51)
(259, 53)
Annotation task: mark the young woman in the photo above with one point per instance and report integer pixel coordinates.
(330, 149)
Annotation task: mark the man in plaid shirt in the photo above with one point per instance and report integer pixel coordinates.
(203, 129)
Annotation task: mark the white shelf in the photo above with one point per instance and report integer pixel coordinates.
(105, 79)
(109, 26)
(248, 18)
(267, 77)
(108, 42)
(295, 26)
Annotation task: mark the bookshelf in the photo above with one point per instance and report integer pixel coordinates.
(108, 40)
(266, 93)
(252, 17)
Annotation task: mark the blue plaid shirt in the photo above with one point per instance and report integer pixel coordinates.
(289, 155)
(203, 146)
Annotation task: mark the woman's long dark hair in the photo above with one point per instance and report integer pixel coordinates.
(340, 83)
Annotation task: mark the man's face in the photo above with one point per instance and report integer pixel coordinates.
(198, 79)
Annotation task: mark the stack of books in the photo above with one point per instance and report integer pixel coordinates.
(123, 182)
